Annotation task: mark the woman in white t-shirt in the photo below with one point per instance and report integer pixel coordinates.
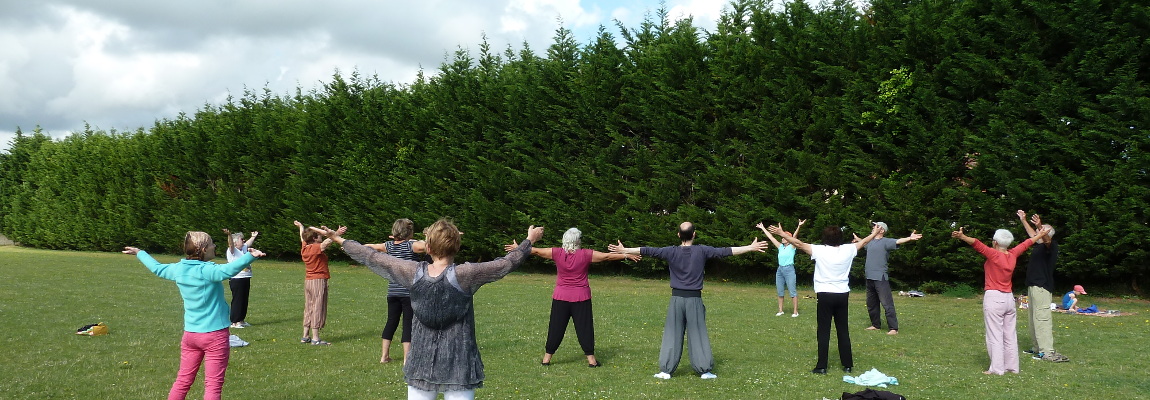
(241, 283)
(832, 267)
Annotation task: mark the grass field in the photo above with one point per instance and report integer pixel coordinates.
(939, 354)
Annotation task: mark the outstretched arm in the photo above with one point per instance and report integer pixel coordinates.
(873, 232)
(769, 235)
(600, 257)
(620, 249)
(393, 269)
(755, 245)
(473, 275)
(960, 235)
(778, 230)
(914, 235)
(535, 251)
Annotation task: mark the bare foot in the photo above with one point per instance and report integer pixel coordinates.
(385, 360)
(871, 328)
(892, 332)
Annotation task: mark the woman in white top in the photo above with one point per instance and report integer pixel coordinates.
(241, 284)
(832, 266)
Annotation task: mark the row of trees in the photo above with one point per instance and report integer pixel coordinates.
(927, 115)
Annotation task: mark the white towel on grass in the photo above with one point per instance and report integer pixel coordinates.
(871, 378)
(235, 341)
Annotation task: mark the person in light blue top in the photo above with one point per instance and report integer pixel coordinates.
(206, 313)
(785, 276)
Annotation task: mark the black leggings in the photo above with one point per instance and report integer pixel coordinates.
(395, 307)
(579, 312)
(241, 287)
(833, 306)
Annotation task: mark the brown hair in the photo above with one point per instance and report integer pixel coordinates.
(310, 236)
(442, 239)
(196, 244)
(402, 228)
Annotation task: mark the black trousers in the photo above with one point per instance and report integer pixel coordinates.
(397, 306)
(581, 314)
(241, 287)
(833, 306)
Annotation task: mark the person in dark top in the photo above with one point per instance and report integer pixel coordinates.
(401, 246)
(1040, 289)
(444, 354)
(686, 311)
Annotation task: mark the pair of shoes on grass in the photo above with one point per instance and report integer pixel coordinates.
(705, 375)
(1051, 356)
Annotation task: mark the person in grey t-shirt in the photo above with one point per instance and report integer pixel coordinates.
(877, 281)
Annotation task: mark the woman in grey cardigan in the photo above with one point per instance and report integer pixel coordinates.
(444, 355)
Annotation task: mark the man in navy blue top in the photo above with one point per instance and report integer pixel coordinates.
(686, 312)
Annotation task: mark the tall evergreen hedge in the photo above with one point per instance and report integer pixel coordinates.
(928, 115)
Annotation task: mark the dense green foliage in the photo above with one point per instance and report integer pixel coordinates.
(926, 115)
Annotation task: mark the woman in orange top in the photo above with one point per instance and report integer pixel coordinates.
(315, 283)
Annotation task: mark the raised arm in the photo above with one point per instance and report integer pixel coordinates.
(914, 235)
(960, 235)
(620, 249)
(800, 225)
(755, 245)
(473, 275)
(301, 229)
(327, 242)
(251, 239)
(874, 230)
(769, 235)
(778, 230)
(1025, 225)
(600, 257)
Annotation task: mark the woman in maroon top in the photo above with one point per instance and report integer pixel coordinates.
(572, 297)
(998, 309)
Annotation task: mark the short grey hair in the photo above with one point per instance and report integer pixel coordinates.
(571, 240)
(1003, 237)
(882, 225)
(1051, 234)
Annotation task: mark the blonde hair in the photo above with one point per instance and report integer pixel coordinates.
(196, 244)
(443, 239)
(571, 240)
(402, 228)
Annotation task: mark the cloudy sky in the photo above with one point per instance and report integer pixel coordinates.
(123, 64)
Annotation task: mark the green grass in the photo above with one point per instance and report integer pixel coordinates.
(47, 295)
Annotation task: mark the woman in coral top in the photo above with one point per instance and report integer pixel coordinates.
(571, 300)
(998, 309)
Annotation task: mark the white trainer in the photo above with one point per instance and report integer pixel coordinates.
(708, 375)
(795, 315)
(663, 375)
(779, 314)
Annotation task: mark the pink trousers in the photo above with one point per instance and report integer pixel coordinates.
(212, 350)
(1000, 317)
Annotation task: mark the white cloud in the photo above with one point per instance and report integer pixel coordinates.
(122, 64)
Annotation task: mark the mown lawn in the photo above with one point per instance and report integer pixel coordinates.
(46, 295)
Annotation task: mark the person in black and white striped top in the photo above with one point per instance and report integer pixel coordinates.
(403, 247)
